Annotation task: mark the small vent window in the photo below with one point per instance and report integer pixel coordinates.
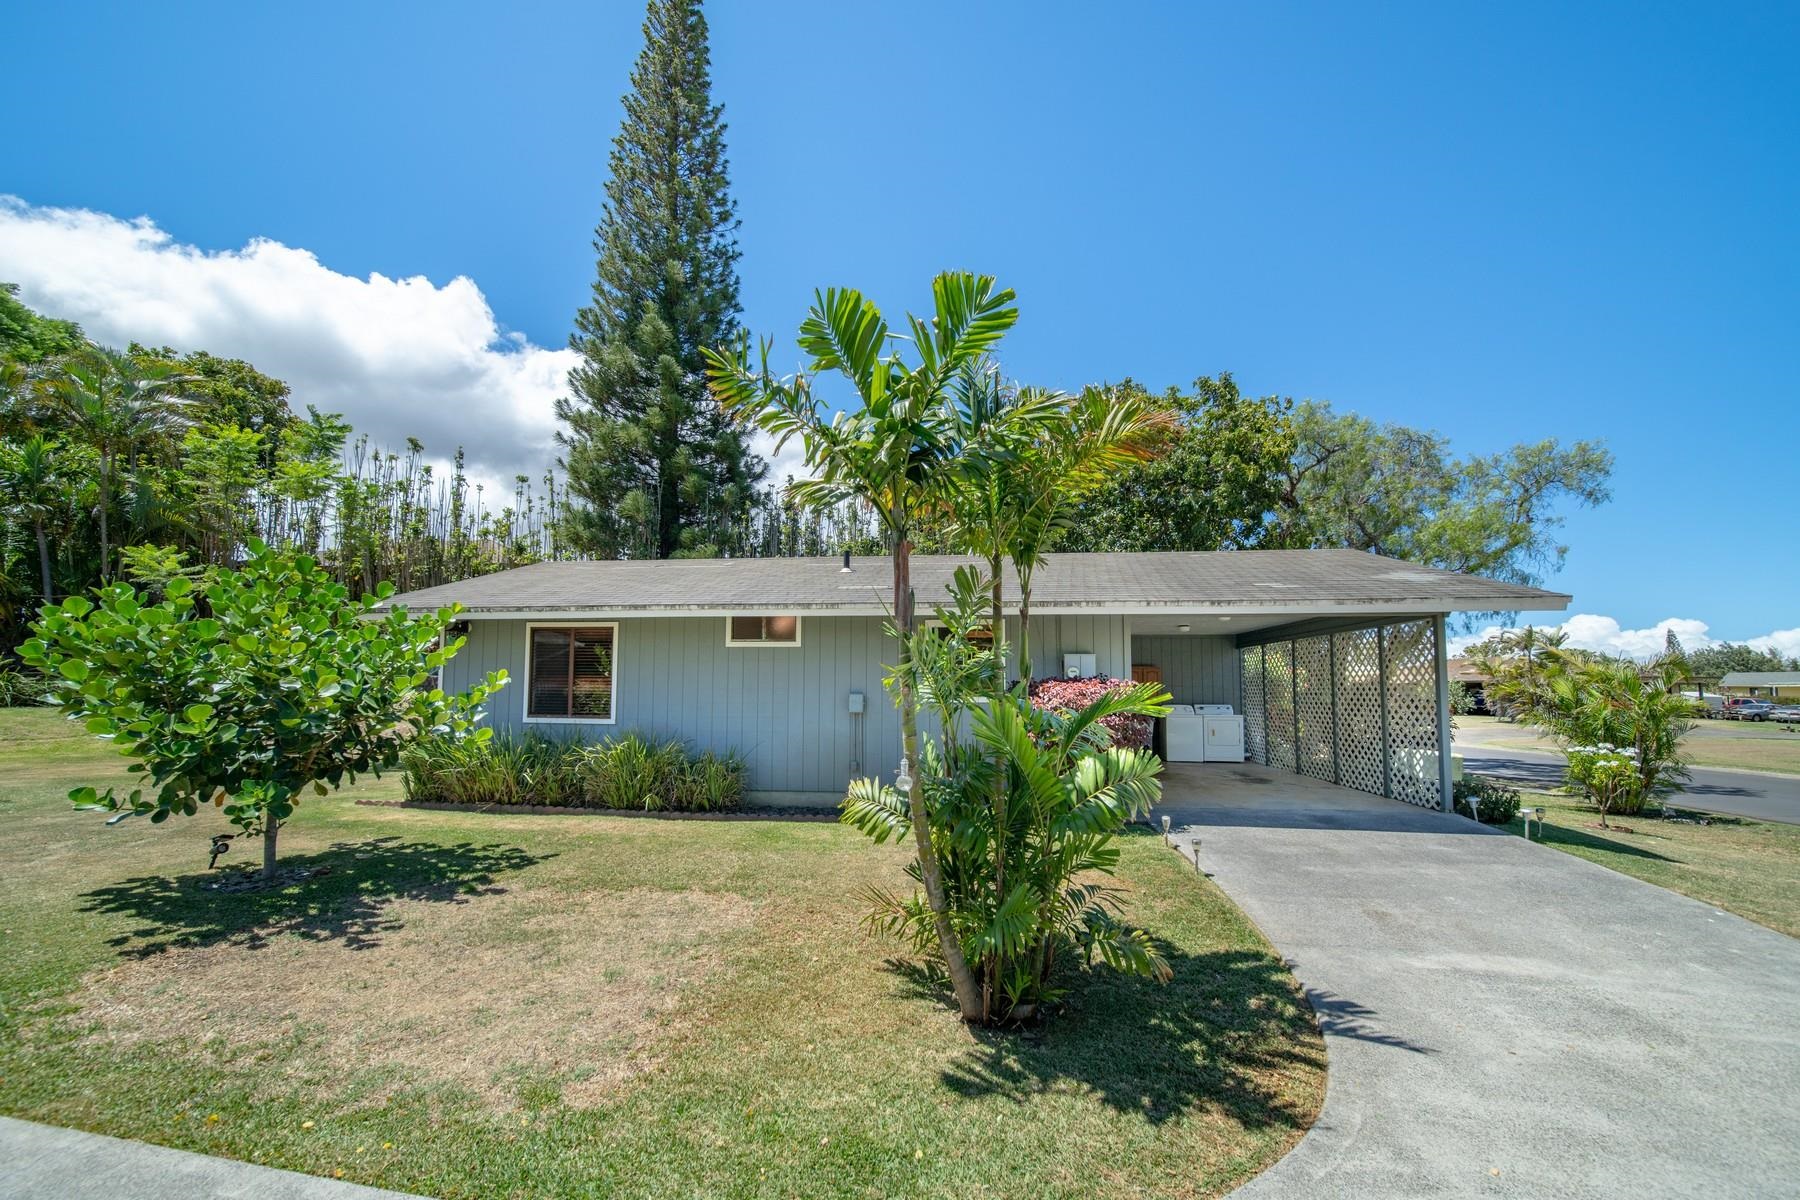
(762, 631)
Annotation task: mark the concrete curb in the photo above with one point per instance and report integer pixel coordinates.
(44, 1162)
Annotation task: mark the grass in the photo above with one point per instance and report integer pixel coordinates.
(1747, 867)
(585, 1005)
(1744, 745)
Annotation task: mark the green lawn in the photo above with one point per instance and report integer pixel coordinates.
(1747, 867)
(514, 1005)
(1745, 745)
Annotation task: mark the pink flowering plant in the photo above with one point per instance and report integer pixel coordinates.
(1066, 697)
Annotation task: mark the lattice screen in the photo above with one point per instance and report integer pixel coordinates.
(1312, 691)
(1278, 702)
(1412, 712)
(1256, 717)
(1357, 694)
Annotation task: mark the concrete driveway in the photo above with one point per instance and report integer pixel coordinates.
(1502, 1019)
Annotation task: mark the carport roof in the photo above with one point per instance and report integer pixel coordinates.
(1286, 583)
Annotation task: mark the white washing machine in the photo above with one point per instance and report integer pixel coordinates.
(1184, 735)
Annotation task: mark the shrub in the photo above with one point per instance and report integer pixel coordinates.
(1492, 802)
(22, 689)
(629, 772)
(1610, 776)
(1066, 697)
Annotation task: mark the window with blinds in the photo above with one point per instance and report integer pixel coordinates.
(762, 631)
(571, 673)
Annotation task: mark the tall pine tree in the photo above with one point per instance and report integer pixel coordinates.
(654, 468)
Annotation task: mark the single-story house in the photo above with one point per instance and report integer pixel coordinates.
(1334, 657)
(1466, 673)
(1762, 685)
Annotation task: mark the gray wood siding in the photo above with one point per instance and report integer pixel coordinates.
(1195, 669)
(785, 709)
(1107, 638)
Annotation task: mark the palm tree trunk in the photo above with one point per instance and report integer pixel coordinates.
(43, 545)
(105, 503)
(1002, 823)
(968, 993)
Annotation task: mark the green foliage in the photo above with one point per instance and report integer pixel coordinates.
(901, 454)
(193, 455)
(1637, 712)
(22, 689)
(1713, 663)
(1608, 774)
(629, 772)
(115, 407)
(1213, 486)
(225, 392)
(655, 466)
(268, 683)
(1490, 801)
(1399, 492)
(1013, 871)
(26, 337)
(153, 568)
(1462, 698)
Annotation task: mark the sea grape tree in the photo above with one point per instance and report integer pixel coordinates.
(269, 682)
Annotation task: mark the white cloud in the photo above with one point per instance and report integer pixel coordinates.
(1590, 631)
(397, 357)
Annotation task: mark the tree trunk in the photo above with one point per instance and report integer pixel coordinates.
(43, 545)
(1002, 824)
(1024, 634)
(968, 993)
(271, 827)
(105, 503)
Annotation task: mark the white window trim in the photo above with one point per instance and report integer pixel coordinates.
(525, 697)
(799, 633)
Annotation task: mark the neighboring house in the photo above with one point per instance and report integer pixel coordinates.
(1763, 685)
(1464, 672)
(1335, 657)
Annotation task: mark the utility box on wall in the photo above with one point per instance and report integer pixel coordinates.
(1079, 666)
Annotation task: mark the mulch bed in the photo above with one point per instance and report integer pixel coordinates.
(251, 879)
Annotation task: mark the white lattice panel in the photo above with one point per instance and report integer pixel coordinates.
(1412, 712)
(1278, 701)
(1312, 696)
(1357, 695)
(1256, 743)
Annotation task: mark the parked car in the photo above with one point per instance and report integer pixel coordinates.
(1789, 713)
(1748, 710)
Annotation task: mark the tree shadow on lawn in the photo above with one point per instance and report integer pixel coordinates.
(347, 900)
(1222, 1035)
(1562, 835)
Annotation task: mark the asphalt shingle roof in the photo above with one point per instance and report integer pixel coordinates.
(1240, 580)
(1761, 679)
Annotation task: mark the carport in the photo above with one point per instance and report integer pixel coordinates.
(1359, 702)
(1336, 662)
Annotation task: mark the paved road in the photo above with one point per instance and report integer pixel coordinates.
(1502, 1019)
(1763, 797)
(42, 1162)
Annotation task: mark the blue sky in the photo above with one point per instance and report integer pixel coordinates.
(1504, 222)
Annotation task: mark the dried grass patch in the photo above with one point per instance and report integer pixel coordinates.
(577, 987)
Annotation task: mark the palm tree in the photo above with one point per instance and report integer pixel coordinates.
(899, 454)
(1034, 454)
(108, 402)
(34, 489)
